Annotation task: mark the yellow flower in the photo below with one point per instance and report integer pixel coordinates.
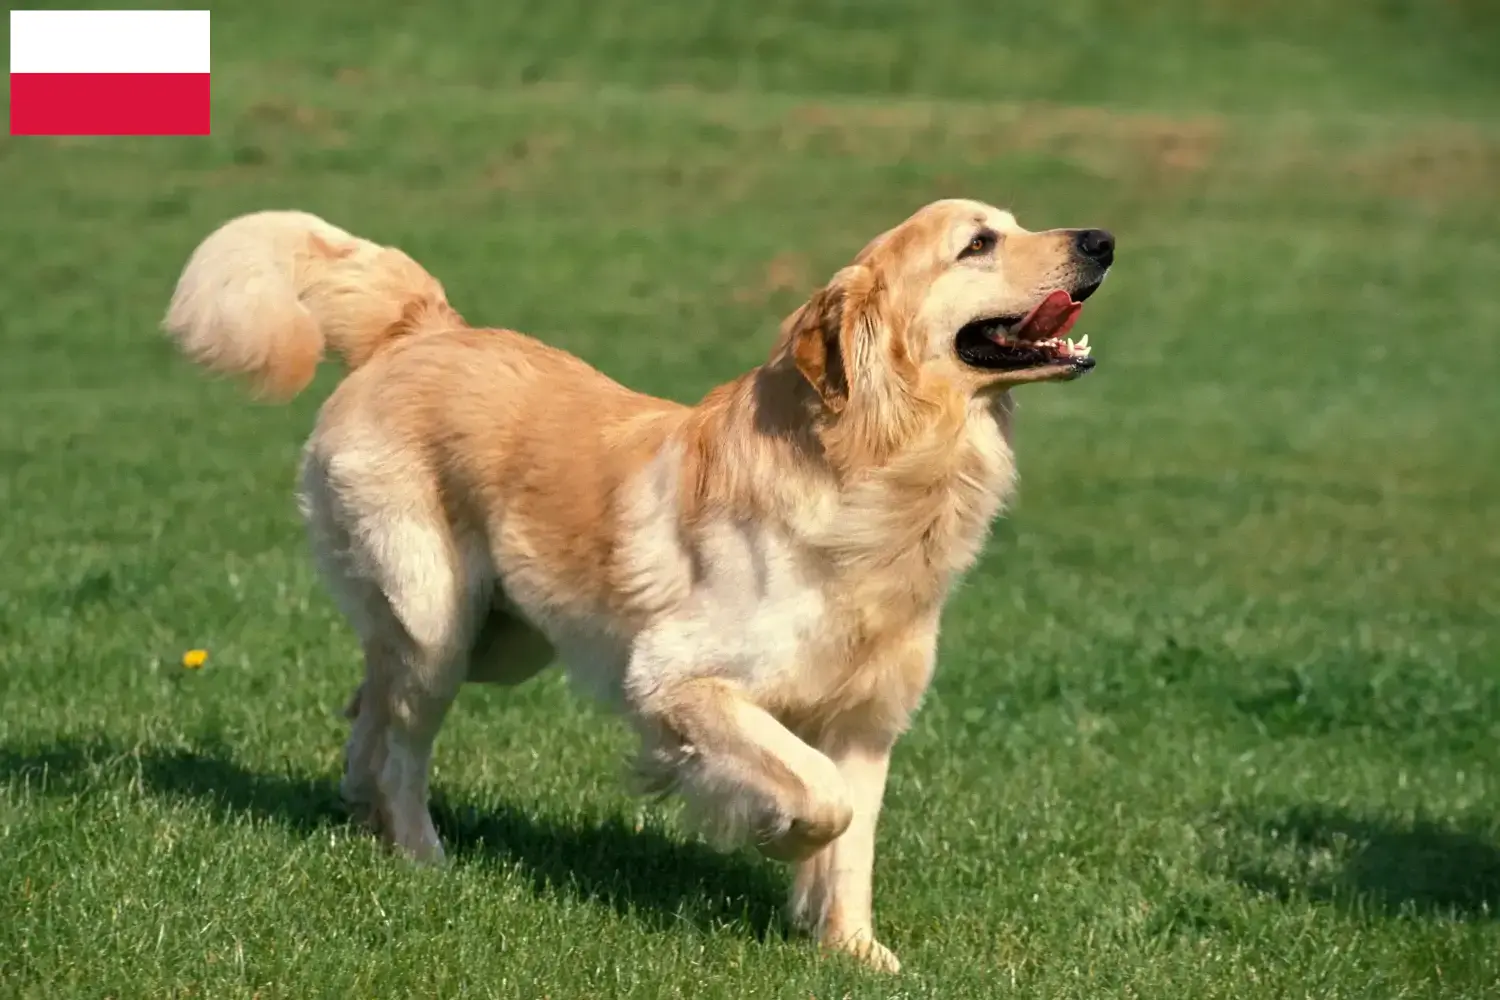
(194, 658)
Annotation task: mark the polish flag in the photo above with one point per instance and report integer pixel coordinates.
(109, 72)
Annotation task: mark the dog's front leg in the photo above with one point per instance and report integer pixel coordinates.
(742, 772)
(833, 891)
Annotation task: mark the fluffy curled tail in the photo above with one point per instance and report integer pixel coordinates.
(264, 293)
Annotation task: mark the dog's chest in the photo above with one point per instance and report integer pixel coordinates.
(754, 609)
(789, 609)
(840, 592)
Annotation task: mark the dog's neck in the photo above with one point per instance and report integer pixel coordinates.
(865, 488)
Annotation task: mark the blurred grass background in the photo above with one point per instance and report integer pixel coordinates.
(1216, 717)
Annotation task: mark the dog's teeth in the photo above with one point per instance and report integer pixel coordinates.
(1072, 348)
(1083, 342)
(1083, 350)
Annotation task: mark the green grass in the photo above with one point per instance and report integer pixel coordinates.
(1217, 716)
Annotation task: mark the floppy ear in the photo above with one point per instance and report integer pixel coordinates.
(820, 335)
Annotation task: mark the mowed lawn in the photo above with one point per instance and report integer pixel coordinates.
(1218, 715)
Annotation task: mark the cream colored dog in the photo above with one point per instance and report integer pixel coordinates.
(755, 582)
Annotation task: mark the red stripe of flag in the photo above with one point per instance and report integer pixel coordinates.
(109, 103)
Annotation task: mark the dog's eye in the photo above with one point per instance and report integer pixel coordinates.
(982, 243)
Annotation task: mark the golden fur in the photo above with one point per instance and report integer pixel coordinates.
(755, 582)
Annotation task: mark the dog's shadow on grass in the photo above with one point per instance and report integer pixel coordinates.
(1368, 863)
(661, 881)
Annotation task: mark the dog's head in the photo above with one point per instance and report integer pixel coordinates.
(960, 293)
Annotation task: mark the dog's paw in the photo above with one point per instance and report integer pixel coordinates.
(802, 838)
(862, 946)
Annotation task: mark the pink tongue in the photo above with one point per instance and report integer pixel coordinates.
(1054, 317)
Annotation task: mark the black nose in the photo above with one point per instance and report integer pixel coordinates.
(1097, 245)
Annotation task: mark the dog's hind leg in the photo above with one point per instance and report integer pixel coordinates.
(415, 599)
(406, 695)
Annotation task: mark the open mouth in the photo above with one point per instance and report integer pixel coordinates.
(1036, 340)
